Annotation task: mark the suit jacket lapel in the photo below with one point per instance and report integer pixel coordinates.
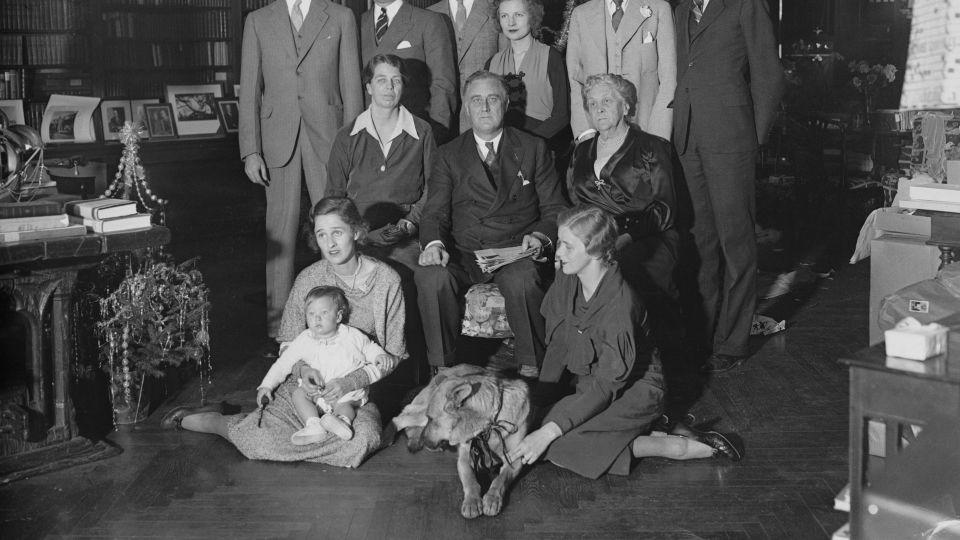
(714, 8)
(474, 164)
(479, 14)
(283, 28)
(511, 158)
(683, 24)
(632, 19)
(316, 18)
(396, 31)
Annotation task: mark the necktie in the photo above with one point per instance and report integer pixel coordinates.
(697, 10)
(460, 17)
(617, 15)
(296, 16)
(381, 26)
(491, 161)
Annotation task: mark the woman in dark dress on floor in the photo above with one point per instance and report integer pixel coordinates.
(597, 340)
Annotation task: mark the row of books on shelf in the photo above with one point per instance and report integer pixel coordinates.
(45, 219)
(11, 84)
(169, 54)
(170, 3)
(250, 5)
(170, 27)
(11, 49)
(46, 49)
(42, 15)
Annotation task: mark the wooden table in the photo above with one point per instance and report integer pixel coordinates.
(41, 273)
(899, 393)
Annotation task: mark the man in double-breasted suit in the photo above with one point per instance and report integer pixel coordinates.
(422, 39)
(631, 38)
(491, 187)
(475, 38)
(729, 85)
(299, 82)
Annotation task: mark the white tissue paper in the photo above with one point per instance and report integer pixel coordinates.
(910, 339)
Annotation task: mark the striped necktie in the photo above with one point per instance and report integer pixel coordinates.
(697, 10)
(491, 161)
(296, 16)
(460, 17)
(381, 26)
(617, 15)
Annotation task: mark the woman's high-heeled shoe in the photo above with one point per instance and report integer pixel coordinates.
(720, 444)
(174, 417)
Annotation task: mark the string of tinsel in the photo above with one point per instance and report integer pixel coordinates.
(560, 43)
(131, 178)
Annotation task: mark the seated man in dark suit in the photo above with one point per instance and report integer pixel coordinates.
(491, 187)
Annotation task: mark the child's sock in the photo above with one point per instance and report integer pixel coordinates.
(312, 432)
(337, 425)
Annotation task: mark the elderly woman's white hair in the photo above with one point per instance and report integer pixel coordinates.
(624, 88)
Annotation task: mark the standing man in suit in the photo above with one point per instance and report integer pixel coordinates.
(728, 89)
(631, 38)
(476, 35)
(491, 187)
(299, 83)
(422, 39)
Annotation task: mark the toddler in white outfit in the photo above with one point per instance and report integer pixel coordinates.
(335, 350)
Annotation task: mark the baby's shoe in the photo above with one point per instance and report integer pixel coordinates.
(337, 425)
(312, 432)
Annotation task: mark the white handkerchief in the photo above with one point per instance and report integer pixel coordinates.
(404, 45)
(648, 37)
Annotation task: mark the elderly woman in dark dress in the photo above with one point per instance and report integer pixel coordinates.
(629, 173)
(376, 308)
(596, 336)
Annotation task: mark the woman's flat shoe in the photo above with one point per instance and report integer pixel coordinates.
(719, 442)
(174, 417)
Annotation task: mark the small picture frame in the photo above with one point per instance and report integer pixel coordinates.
(195, 108)
(229, 114)
(11, 112)
(113, 115)
(139, 116)
(160, 120)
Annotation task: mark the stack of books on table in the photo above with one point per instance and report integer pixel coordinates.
(40, 219)
(107, 215)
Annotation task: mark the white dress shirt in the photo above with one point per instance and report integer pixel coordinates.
(611, 7)
(467, 4)
(391, 8)
(304, 7)
(482, 144)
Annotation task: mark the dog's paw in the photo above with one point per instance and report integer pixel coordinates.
(472, 507)
(492, 503)
(389, 435)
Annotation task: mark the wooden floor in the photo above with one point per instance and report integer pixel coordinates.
(788, 402)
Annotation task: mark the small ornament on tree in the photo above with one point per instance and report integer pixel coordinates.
(130, 181)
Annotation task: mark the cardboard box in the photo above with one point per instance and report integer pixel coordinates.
(895, 262)
(895, 220)
(953, 171)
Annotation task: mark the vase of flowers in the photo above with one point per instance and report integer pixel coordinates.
(868, 79)
(157, 318)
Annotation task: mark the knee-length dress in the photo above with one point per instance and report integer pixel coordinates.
(602, 342)
(377, 309)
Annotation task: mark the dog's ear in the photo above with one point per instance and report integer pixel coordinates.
(458, 394)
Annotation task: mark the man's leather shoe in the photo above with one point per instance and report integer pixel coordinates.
(175, 416)
(719, 363)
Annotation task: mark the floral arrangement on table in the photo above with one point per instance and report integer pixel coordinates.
(157, 317)
(869, 79)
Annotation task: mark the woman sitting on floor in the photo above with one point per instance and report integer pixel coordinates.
(597, 339)
(376, 308)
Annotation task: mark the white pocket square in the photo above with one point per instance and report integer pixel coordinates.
(648, 37)
(404, 45)
(523, 180)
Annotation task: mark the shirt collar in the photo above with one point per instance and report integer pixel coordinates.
(483, 144)
(467, 4)
(611, 7)
(304, 7)
(392, 10)
(404, 124)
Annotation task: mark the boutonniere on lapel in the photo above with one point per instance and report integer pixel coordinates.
(646, 11)
(523, 180)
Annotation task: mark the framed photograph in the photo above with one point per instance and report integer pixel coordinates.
(230, 114)
(62, 124)
(11, 112)
(160, 120)
(139, 116)
(195, 108)
(113, 114)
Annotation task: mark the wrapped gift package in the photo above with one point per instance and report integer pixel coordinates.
(910, 339)
(485, 314)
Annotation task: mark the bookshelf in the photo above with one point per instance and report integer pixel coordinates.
(116, 49)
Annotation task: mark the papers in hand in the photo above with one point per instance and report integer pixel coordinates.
(491, 259)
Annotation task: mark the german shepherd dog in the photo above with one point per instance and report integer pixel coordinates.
(480, 413)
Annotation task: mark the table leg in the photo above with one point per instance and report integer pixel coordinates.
(857, 426)
(62, 339)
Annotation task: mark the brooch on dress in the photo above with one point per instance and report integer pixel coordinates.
(599, 183)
